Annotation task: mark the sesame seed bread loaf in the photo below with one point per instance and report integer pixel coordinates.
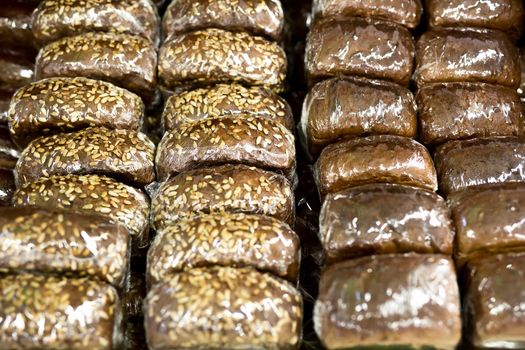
(208, 308)
(15, 25)
(56, 19)
(57, 105)
(468, 164)
(91, 194)
(125, 60)
(123, 154)
(455, 111)
(226, 188)
(384, 219)
(375, 159)
(7, 187)
(210, 56)
(224, 239)
(16, 70)
(341, 108)
(404, 12)
(224, 100)
(251, 141)
(63, 242)
(263, 17)
(358, 46)
(49, 312)
(468, 55)
(9, 152)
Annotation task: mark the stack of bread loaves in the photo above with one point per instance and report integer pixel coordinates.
(80, 208)
(17, 56)
(222, 268)
(387, 236)
(468, 69)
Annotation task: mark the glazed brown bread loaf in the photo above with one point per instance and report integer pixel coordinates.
(373, 159)
(57, 105)
(234, 240)
(124, 154)
(9, 153)
(56, 19)
(225, 100)
(505, 15)
(208, 308)
(468, 55)
(48, 312)
(124, 60)
(16, 70)
(263, 17)
(15, 25)
(341, 108)
(357, 46)
(490, 221)
(404, 12)
(383, 219)
(250, 141)
(521, 89)
(454, 111)
(41, 241)
(91, 194)
(389, 301)
(227, 188)
(464, 164)
(211, 56)
(7, 187)
(494, 300)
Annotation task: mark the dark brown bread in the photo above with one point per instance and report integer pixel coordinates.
(15, 25)
(389, 301)
(468, 55)
(56, 19)
(5, 99)
(505, 15)
(454, 111)
(489, 221)
(9, 153)
(227, 188)
(464, 164)
(16, 70)
(357, 46)
(91, 194)
(341, 108)
(124, 154)
(47, 313)
(124, 60)
(211, 56)
(494, 300)
(521, 89)
(7, 187)
(384, 219)
(404, 12)
(263, 17)
(62, 242)
(251, 141)
(234, 240)
(224, 100)
(208, 308)
(373, 159)
(55, 105)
